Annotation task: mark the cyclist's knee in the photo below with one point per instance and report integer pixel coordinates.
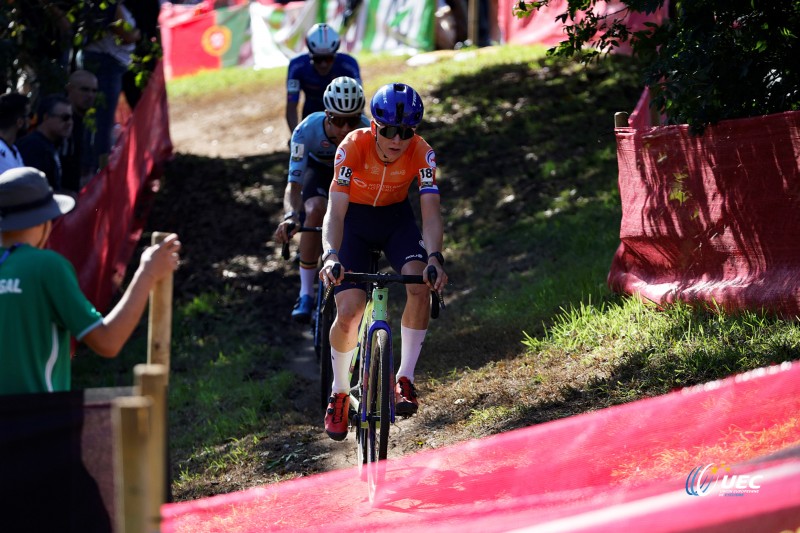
(417, 291)
(315, 210)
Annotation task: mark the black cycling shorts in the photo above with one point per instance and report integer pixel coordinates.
(392, 229)
(316, 179)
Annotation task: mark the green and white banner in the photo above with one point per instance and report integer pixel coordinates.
(393, 26)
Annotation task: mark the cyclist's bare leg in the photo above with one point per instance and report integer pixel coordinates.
(311, 244)
(416, 314)
(311, 241)
(349, 308)
(344, 335)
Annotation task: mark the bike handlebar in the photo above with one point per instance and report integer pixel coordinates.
(382, 278)
(289, 228)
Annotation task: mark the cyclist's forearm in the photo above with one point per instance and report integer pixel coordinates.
(333, 225)
(432, 225)
(292, 198)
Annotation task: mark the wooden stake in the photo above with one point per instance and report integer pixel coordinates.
(131, 431)
(159, 331)
(151, 382)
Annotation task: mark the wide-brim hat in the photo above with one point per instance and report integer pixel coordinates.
(27, 200)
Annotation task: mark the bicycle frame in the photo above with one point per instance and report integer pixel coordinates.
(375, 318)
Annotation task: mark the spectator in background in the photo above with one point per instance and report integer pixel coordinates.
(108, 58)
(77, 152)
(40, 148)
(310, 73)
(13, 124)
(41, 304)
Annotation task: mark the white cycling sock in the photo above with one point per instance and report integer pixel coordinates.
(307, 277)
(341, 370)
(411, 345)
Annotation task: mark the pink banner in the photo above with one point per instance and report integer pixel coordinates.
(101, 233)
(625, 468)
(711, 219)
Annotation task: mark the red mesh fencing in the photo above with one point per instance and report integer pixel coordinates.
(630, 466)
(711, 219)
(100, 235)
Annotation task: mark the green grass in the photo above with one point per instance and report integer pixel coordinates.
(528, 173)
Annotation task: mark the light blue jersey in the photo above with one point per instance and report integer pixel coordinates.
(310, 141)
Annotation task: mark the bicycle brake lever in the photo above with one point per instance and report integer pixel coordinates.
(285, 247)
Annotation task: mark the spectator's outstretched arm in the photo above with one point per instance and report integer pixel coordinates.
(156, 262)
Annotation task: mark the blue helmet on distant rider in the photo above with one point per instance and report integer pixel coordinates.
(397, 104)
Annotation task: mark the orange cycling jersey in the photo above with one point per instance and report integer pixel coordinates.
(360, 173)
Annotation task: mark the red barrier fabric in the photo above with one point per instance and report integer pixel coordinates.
(711, 219)
(101, 233)
(630, 467)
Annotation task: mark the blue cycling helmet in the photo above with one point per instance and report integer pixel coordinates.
(397, 104)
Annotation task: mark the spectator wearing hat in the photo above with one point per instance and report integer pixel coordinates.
(40, 148)
(13, 124)
(41, 304)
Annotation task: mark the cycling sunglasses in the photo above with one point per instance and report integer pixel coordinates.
(341, 122)
(390, 131)
(322, 59)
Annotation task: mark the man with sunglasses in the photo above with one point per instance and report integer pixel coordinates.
(40, 148)
(310, 73)
(368, 206)
(313, 146)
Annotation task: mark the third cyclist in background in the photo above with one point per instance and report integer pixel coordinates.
(311, 72)
(313, 146)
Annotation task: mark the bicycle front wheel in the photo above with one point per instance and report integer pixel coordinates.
(377, 400)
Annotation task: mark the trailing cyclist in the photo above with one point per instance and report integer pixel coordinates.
(313, 147)
(368, 207)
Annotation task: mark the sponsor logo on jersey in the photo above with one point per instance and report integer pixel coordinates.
(341, 154)
(325, 143)
(293, 86)
(401, 172)
(359, 183)
(296, 173)
(430, 158)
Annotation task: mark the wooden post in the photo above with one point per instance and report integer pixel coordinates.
(472, 21)
(621, 119)
(159, 331)
(151, 381)
(131, 431)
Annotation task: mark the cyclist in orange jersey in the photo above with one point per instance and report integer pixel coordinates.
(367, 207)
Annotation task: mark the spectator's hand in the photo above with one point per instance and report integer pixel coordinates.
(161, 259)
